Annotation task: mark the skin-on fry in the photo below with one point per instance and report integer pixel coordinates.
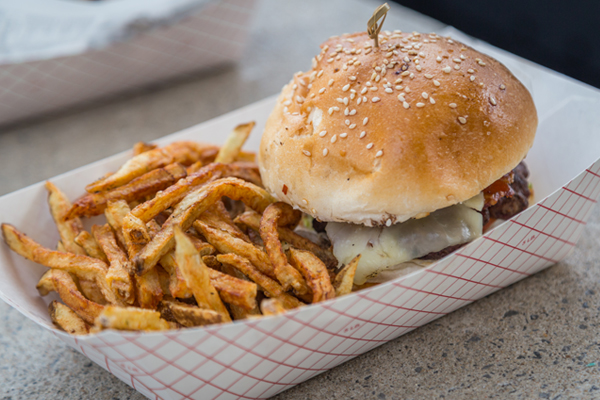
(67, 320)
(217, 217)
(269, 286)
(131, 319)
(177, 285)
(280, 214)
(252, 220)
(234, 143)
(91, 291)
(140, 187)
(45, 285)
(182, 152)
(115, 212)
(238, 312)
(226, 244)
(191, 207)
(175, 193)
(142, 147)
(197, 276)
(82, 266)
(91, 247)
(67, 229)
(119, 266)
(188, 315)
(315, 273)
(345, 278)
(148, 288)
(64, 285)
(271, 307)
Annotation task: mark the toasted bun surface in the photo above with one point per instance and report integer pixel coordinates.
(379, 135)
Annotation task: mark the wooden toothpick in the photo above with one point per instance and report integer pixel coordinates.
(373, 28)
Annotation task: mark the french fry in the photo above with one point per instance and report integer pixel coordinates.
(197, 276)
(91, 247)
(209, 173)
(191, 207)
(45, 285)
(252, 220)
(315, 273)
(217, 217)
(67, 229)
(345, 278)
(67, 320)
(234, 143)
(119, 266)
(177, 285)
(91, 291)
(238, 312)
(146, 185)
(148, 289)
(274, 215)
(269, 286)
(227, 244)
(188, 315)
(182, 152)
(65, 286)
(115, 211)
(131, 319)
(271, 307)
(82, 266)
(142, 147)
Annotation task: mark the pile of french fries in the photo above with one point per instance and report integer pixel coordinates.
(191, 238)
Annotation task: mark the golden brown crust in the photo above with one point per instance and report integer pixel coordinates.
(448, 129)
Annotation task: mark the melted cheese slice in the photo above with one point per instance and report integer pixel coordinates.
(383, 247)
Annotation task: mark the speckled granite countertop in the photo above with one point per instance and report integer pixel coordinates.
(535, 339)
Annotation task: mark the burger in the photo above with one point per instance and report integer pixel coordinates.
(401, 152)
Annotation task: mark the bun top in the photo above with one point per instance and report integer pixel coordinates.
(379, 135)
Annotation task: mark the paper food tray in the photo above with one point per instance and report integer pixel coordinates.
(37, 78)
(259, 358)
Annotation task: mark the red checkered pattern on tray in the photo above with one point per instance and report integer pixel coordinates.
(259, 358)
(211, 36)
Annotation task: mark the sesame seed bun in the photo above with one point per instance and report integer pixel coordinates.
(376, 136)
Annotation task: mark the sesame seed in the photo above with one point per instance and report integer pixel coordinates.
(375, 99)
(339, 100)
(306, 153)
(388, 223)
(463, 57)
(336, 108)
(322, 90)
(347, 122)
(406, 105)
(411, 76)
(424, 95)
(472, 78)
(285, 109)
(457, 67)
(418, 67)
(452, 105)
(346, 87)
(420, 105)
(457, 60)
(294, 87)
(330, 111)
(462, 120)
(362, 134)
(323, 133)
(287, 103)
(364, 90)
(365, 99)
(359, 100)
(421, 54)
(343, 135)
(300, 99)
(365, 120)
(428, 76)
(325, 152)
(481, 63)
(305, 201)
(447, 69)
(405, 73)
(379, 153)
(401, 97)
(320, 73)
(436, 83)
(333, 138)
(470, 71)
(352, 112)
(399, 87)
(352, 78)
(352, 126)
(373, 89)
(378, 69)
(330, 83)
(399, 80)
(502, 87)
(407, 89)
(493, 101)
(346, 111)
(369, 84)
(352, 96)
(406, 59)
(438, 59)
(389, 90)
(370, 146)
(377, 78)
